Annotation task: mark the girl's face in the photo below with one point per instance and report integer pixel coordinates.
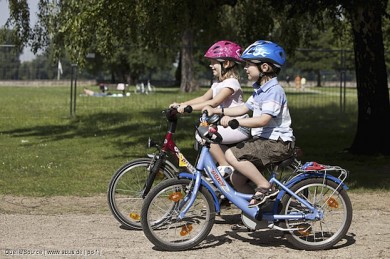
(252, 71)
(215, 68)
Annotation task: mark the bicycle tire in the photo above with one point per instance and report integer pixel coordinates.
(126, 187)
(318, 234)
(161, 208)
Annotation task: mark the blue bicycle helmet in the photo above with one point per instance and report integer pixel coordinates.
(265, 51)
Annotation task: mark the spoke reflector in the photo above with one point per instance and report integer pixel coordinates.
(135, 216)
(332, 203)
(185, 230)
(176, 196)
(304, 230)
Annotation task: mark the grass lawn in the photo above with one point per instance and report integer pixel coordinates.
(45, 152)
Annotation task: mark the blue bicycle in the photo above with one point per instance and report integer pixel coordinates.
(312, 207)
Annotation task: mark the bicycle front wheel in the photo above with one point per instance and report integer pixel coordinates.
(160, 211)
(126, 188)
(330, 199)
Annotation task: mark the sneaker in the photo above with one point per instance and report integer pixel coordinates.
(225, 171)
(240, 227)
(263, 196)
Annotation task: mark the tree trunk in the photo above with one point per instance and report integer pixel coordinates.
(178, 72)
(372, 135)
(187, 83)
(318, 72)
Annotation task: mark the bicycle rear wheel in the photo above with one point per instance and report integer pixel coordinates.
(126, 188)
(162, 207)
(332, 201)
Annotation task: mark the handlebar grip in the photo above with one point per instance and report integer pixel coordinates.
(188, 109)
(234, 124)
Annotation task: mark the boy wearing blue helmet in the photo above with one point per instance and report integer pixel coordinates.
(272, 136)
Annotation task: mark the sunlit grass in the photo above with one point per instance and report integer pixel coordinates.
(46, 152)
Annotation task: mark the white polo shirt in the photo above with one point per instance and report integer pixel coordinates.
(270, 98)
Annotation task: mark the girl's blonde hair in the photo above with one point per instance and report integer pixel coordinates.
(231, 72)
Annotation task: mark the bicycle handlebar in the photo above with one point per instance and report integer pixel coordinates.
(188, 109)
(234, 124)
(171, 113)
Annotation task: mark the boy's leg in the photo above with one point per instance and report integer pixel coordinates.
(261, 152)
(240, 183)
(248, 170)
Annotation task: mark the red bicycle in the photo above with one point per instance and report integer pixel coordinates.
(133, 181)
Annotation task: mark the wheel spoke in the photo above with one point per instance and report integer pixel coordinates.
(126, 189)
(160, 217)
(331, 202)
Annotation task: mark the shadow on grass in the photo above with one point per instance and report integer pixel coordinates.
(322, 137)
(124, 130)
(82, 126)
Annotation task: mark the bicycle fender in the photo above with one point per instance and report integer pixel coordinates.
(209, 186)
(302, 177)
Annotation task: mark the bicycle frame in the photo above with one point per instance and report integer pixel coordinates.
(206, 163)
(169, 145)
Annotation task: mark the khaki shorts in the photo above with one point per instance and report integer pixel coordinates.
(262, 152)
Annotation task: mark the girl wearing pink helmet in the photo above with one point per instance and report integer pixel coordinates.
(225, 92)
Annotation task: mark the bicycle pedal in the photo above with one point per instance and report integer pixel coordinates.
(225, 204)
(241, 228)
(267, 206)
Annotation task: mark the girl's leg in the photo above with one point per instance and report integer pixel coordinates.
(229, 136)
(218, 153)
(233, 136)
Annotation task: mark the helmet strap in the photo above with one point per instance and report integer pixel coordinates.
(224, 69)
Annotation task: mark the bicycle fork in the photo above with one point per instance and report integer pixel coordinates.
(155, 168)
(190, 197)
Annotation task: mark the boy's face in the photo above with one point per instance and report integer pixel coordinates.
(252, 71)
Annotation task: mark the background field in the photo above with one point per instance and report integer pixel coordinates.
(45, 152)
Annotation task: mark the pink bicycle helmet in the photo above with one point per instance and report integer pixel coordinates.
(225, 50)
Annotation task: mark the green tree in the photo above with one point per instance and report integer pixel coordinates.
(373, 94)
(178, 22)
(9, 56)
(321, 52)
(10, 63)
(19, 21)
(314, 41)
(75, 25)
(386, 36)
(365, 18)
(109, 24)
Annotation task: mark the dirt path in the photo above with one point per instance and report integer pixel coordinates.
(84, 227)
